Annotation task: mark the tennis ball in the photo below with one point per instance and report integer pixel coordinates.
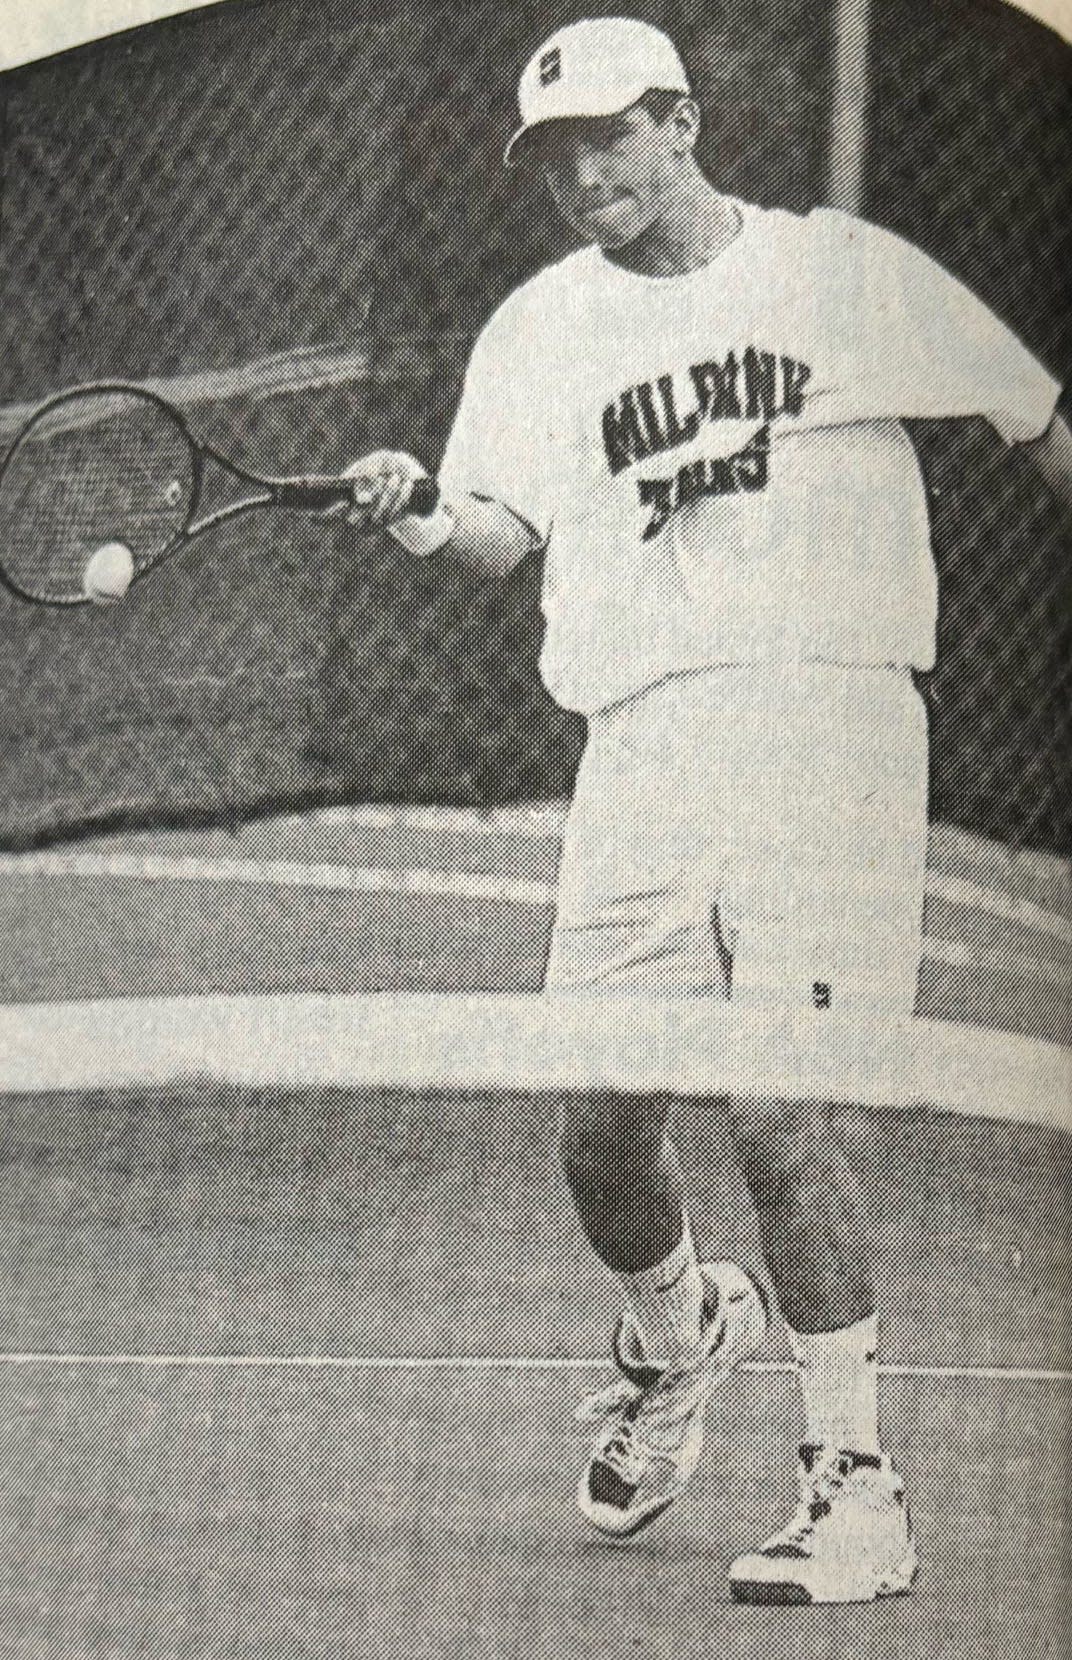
(109, 573)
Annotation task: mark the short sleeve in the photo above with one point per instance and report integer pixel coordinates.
(918, 343)
(499, 445)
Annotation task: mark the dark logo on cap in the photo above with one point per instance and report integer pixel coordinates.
(551, 66)
(820, 994)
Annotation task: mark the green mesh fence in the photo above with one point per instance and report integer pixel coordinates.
(258, 180)
(970, 155)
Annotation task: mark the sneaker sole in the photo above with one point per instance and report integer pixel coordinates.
(634, 1527)
(898, 1583)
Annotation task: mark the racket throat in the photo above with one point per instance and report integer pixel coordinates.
(222, 491)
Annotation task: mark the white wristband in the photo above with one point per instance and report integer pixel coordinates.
(422, 536)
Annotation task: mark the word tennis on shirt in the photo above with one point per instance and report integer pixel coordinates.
(646, 420)
(722, 476)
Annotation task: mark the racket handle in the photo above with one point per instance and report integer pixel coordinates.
(425, 498)
(317, 495)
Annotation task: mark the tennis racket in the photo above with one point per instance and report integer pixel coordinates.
(114, 463)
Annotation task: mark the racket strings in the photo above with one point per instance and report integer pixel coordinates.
(95, 468)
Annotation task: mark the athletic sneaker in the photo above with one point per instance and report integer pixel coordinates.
(652, 1422)
(850, 1539)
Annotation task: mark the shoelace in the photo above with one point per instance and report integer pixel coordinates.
(645, 1416)
(823, 1485)
(617, 1396)
(619, 1399)
(599, 1405)
(623, 1451)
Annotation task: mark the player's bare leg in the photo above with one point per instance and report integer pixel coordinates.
(686, 1324)
(850, 1538)
(806, 1195)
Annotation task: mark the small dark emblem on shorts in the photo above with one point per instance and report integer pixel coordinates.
(820, 994)
(551, 66)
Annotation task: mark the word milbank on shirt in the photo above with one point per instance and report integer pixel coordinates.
(644, 420)
(716, 460)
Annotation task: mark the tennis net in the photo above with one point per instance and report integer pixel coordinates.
(692, 1049)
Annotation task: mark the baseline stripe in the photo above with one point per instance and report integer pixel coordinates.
(292, 371)
(286, 873)
(970, 895)
(544, 821)
(540, 822)
(440, 884)
(301, 369)
(491, 1363)
(1005, 964)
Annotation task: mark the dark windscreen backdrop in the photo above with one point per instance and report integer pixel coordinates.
(295, 215)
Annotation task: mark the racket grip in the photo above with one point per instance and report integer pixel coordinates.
(318, 495)
(425, 498)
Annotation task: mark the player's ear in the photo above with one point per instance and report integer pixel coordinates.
(685, 123)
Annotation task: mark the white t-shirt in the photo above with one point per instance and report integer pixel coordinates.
(716, 459)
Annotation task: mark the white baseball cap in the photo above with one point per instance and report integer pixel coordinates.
(598, 66)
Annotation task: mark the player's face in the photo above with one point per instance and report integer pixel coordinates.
(610, 177)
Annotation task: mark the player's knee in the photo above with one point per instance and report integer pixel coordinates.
(610, 1136)
(624, 1178)
(778, 1146)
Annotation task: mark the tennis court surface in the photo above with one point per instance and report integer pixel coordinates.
(289, 1350)
(291, 1371)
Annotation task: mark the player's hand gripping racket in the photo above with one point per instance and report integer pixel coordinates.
(114, 464)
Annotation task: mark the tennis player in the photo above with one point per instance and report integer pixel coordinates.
(697, 418)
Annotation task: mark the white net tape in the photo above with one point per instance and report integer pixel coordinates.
(526, 1043)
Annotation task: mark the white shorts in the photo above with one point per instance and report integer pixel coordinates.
(755, 833)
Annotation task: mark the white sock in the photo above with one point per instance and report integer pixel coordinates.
(839, 1376)
(667, 1301)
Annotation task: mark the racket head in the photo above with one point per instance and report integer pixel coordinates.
(102, 463)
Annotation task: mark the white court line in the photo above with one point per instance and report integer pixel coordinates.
(542, 822)
(1003, 963)
(300, 369)
(279, 873)
(489, 1363)
(304, 368)
(501, 890)
(538, 821)
(956, 891)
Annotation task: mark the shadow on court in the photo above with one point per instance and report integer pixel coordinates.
(241, 1499)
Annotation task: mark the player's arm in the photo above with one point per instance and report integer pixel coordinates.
(495, 475)
(487, 536)
(482, 534)
(1052, 455)
(914, 342)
